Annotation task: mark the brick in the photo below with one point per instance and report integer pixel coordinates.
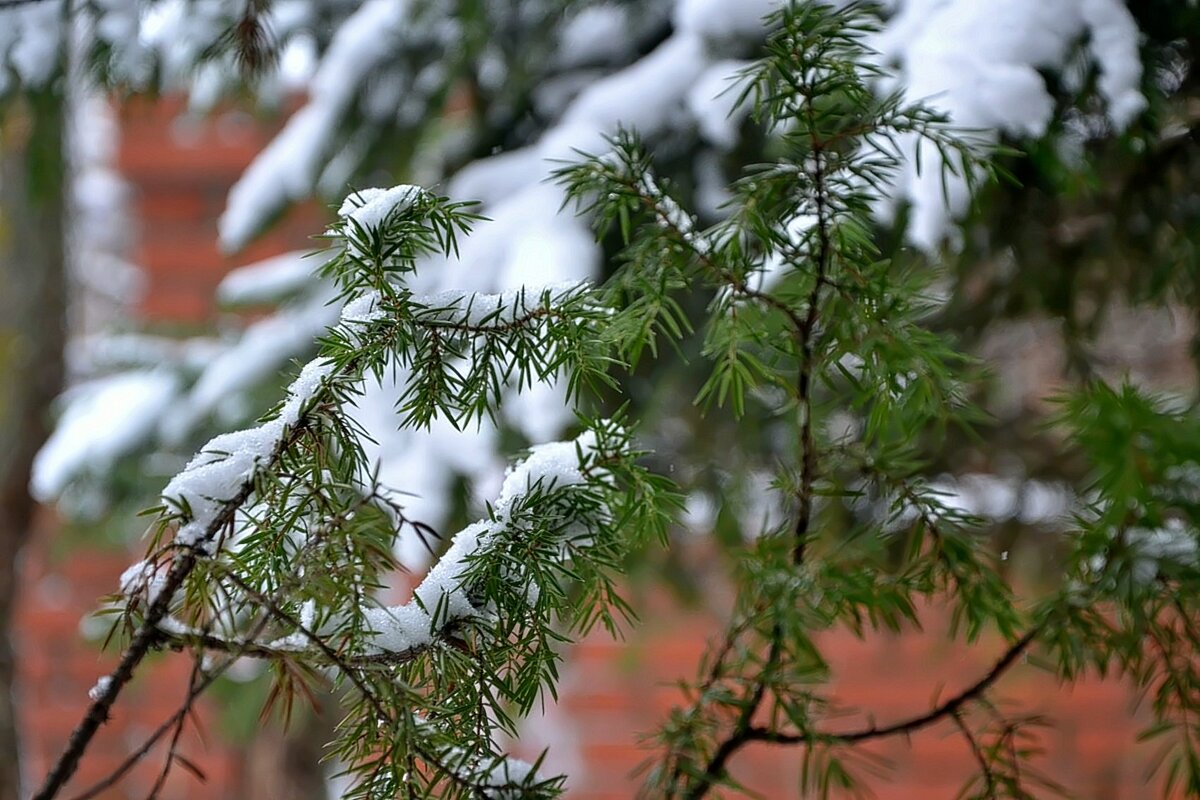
(171, 204)
(160, 305)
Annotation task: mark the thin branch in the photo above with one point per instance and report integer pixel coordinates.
(267, 652)
(148, 635)
(804, 326)
(172, 748)
(739, 736)
(947, 708)
(152, 739)
(667, 223)
(985, 768)
(808, 455)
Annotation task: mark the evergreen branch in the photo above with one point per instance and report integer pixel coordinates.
(985, 767)
(207, 496)
(742, 728)
(319, 655)
(198, 529)
(144, 641)
(804, 328)
(949, 707)
(346, 665)
(808, 454)
(652, 200)
(175, 719)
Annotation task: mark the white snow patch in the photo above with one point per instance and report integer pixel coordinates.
(228, 463)
(442, 593)
(713, 101)
(144, 578)
(103, 420)
(269, 280)
(289, 166)
(370, 207)
(978, 63)
(263, 349)
(97, 691)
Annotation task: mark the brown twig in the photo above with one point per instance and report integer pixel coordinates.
(985, 768)
(172, 748)
(148, 636)
(944, 709)
(161, 731)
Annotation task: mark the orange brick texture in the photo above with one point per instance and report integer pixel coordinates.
(180, 171)
(57, 666)
(611, 692)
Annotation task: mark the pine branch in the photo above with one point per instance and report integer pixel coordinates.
(943, 710)
(307, 457)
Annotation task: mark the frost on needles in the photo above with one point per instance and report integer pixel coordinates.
(275, 542)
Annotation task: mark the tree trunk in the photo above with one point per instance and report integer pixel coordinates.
(32, 334)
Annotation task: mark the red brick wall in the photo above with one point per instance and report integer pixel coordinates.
(611, 692)
(56, 667)
(180, 171)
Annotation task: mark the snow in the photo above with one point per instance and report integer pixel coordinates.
(540, 412)
(645, 96)
(997, 499)
(1113, 40)
(504, 781)
(1172, 544)
(263, 349)
(269, 280)
(491, 180)
(371, 207)
(551, 464)
(288, 168)
(362, 310)
(476, 308)
(216, 475)
(142, 578)
(979, 64)
(442, 593)
(228, 463)
(720, 19)
(299, 640)
(597, 34)
(36, 50)
(102, 421)
(713, 101)
(97, 691)
(304, 388)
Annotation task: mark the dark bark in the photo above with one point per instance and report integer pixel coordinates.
(32, 333)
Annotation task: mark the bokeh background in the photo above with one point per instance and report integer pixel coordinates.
(176, 319)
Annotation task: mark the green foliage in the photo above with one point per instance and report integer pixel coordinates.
(824, 352)
(287, 561)
(808, 324)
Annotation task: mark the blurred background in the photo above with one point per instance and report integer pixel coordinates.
(165, 168)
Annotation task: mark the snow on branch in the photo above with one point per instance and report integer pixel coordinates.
(270, 541)
(448, 596)
(223, 469)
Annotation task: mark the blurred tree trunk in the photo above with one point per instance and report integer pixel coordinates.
(286, 765)
(32, 335)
